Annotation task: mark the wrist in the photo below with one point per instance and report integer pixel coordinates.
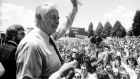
(56, 75)
(75, 6)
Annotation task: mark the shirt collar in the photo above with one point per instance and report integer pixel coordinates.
(13, 42)
(86, 76)
(42, 34)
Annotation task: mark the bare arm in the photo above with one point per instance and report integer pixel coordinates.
(66, 25)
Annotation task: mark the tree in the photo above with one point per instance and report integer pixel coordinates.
(136, 24)
(99, 29)
(90, 30)
(107, 29)
(130, 33)
(118, 30)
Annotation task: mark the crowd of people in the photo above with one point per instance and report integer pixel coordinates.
(114, 58)
(41, 54)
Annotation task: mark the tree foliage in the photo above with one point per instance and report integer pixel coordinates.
(90, 30)
(136, 24)
(130, 33)
(107, 29)
(118, 30)
(99, 29)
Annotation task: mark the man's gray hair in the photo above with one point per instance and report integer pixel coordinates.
(43, 9)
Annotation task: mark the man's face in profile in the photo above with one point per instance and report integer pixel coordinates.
(20, 36)
(51, 21)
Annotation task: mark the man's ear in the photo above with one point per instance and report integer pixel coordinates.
(14, 38)
(38, 16)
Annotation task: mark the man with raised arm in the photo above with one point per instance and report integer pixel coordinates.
(37, 56)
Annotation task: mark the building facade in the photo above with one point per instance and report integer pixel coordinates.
(76, 32)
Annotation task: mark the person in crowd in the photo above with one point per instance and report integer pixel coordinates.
(117, 63)
(105, 60)
(129, 66)
(86, 59)
(14, 34)
(124, 55)
(75, 56)
(37, 56)
(131, 61)
(93, 61)
(109, 70)
(85, 71)
(112, 73)
(125, 75)
(102, 75)
(77, 75)
(63, 56)
(68, 58)
(137, 71)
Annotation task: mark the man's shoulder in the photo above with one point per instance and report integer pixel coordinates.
(7, 48)
(6, 51)
(32, 37)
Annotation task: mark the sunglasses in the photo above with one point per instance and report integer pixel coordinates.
(76, 76)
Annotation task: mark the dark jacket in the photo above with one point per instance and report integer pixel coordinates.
(7, 58)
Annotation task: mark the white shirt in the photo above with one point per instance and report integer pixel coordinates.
(35, 57)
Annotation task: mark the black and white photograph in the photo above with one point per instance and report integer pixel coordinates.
(69, 39)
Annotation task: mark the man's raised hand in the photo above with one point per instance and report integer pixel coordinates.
(75, 3)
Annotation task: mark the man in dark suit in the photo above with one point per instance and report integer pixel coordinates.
(14, 34)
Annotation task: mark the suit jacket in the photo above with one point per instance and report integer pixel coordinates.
(7, 58)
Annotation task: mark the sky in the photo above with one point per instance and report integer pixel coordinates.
(95, 11)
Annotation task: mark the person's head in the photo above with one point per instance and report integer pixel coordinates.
(75, 55)
(15, 33)
(123, 54)
(124, 75)
(77, 75)
(116, 73)
(99, 67)
(84, 69)
(86, 59)
(137, 70)
(131, 61)
(63, 56)
(107, 48)
(117, 61)
(47, 18)
(93, 61)
(102, 75)
(105, 59)
(68, 57)
(109, 68)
